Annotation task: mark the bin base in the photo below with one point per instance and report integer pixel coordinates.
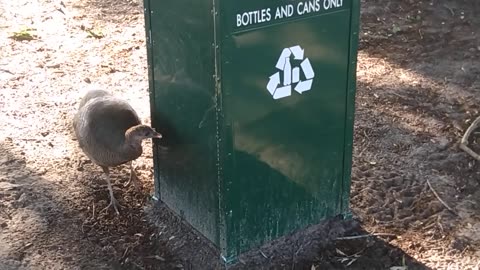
(196, 250)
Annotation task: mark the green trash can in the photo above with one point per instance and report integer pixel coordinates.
(255, 99)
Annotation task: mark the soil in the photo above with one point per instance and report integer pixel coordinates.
(418, 91)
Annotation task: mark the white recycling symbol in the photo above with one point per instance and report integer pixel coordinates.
(291, 77)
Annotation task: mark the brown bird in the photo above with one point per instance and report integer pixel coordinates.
(110, 133)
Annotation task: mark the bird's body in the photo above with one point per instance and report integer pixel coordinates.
(100, 126)
(109, 131)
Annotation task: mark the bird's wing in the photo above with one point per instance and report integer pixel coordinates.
(108, 120)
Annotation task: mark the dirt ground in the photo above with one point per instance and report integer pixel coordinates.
(418, 91)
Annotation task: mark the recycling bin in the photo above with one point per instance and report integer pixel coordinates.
(255, 101)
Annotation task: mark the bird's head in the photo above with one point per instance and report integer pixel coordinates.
(142, 132)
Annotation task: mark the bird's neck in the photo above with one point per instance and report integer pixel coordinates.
(132, 146)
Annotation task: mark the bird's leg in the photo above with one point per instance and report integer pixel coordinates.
(133, 178)
(113, 201)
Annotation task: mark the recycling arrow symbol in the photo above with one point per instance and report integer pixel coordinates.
(279, 88)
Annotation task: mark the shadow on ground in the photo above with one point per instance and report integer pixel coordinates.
(58, 223)
(321, 246)
(36, 213)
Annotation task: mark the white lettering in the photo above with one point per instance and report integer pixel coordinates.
(304, 7)
(246, 19)
(308, 7)
(253, 17)
(266, 16)
(284, 12)
(328, 4)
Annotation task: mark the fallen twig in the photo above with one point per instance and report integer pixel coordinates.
(294, 257)
(6, 71)
(450, 9)
(365, 236)
(440, 199)
(464, 142)
(6, 213)
(156, 257)
(124, 253)
(439, 224)
(138, 266)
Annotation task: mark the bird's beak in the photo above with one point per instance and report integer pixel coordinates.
(157, 135)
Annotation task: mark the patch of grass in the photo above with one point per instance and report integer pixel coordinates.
(95, 34)
(24, 34)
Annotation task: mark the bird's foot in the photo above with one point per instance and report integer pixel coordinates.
(114, 203)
